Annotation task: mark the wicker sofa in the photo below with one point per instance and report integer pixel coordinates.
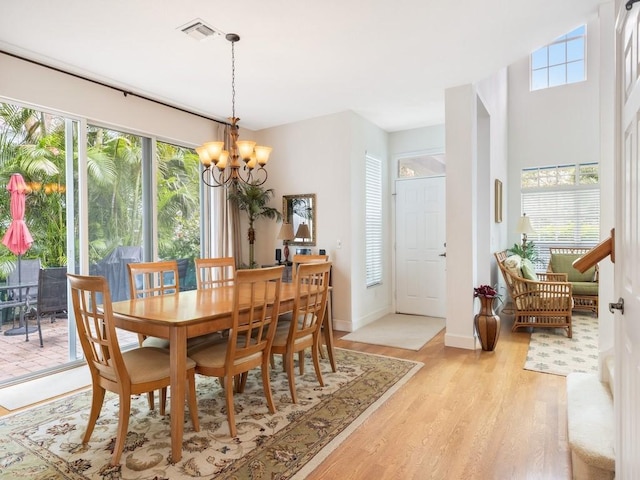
(545, 302)
(584, 285)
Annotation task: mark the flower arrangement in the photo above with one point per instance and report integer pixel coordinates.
(485, 291)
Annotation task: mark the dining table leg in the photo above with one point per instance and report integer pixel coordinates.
(178, 358)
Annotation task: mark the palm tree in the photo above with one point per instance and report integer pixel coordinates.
(253, 199)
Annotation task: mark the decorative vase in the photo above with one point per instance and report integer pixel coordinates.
(487, 324)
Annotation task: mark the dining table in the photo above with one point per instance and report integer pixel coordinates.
(178, 317)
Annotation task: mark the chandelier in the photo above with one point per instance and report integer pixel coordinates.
(224, 167)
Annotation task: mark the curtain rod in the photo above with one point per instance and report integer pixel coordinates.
(102, 84)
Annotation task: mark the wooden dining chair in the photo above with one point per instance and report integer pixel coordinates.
(127, 373)
(327, 323)
(147, 279)
(256, 301)
(303, 331)
(215, 272)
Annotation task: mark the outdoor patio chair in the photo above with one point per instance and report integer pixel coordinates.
(25, 273)
(51, 300)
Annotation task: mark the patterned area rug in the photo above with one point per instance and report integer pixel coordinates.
(550, 351)
(45, 442)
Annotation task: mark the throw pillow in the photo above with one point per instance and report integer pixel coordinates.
(528, 270)
(513, 264)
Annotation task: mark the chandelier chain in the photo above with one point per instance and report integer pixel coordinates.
(233, 80)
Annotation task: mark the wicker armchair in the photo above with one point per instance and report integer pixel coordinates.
(546, 302)
(584, 285)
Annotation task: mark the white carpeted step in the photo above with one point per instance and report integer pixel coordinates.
(591, 425)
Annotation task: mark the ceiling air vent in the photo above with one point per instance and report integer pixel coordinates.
(199, 30)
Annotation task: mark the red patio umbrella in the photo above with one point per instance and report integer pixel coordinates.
(17, 238)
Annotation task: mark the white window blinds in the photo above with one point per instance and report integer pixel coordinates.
(373, 219)
(567, 217)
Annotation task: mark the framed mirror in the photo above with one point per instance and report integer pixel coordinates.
(300, 211)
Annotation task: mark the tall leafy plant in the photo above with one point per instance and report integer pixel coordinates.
(254, 200)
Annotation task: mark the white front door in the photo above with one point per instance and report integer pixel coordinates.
(627, 256)
(420, 246)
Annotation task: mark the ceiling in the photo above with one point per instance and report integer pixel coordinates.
(387, 60)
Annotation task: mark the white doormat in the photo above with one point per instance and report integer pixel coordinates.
(410, 332)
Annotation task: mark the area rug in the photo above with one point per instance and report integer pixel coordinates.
(410, 332)
(45, 442)
(550, 351)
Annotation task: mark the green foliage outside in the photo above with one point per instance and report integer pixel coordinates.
(32, 143)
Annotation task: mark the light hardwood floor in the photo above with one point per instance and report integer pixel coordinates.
(464, 415)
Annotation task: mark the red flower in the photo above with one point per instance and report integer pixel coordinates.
(485, 291)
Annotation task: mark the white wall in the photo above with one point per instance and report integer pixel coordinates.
(569, 124)
(476, 132)
(27, 83)
(553, 126)
(326, 156)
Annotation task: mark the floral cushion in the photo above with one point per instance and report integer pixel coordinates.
(513, 264)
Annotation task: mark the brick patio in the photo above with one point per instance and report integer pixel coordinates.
(20, 359)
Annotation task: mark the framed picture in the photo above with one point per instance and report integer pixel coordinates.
(498, 201)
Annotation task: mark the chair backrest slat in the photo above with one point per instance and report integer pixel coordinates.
(300, 259)
(215, 272)
(153, 278)
(91, 301)
(256, 303)
(312, 287)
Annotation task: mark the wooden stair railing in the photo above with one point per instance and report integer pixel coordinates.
(599, 252)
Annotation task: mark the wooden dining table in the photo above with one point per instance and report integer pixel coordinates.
(178, 317)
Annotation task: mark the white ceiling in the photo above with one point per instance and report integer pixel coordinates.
(389, 61)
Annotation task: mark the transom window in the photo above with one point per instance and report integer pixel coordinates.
(561, 62)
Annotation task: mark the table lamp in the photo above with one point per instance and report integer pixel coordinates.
(286, 235)
(524, 227)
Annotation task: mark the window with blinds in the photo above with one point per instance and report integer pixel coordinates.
(563, 204)
(373, 220)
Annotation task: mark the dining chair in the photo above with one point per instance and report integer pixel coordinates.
(327, 323)
(309, 305)
(214, 272)
(127, 373)
(256, 301)
(148, 279)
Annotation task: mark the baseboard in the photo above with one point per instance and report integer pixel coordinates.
(460, 341)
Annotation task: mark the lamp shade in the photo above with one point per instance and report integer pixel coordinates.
(286, 232)
(303, 231)
(524, 225)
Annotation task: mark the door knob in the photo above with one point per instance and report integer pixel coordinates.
(619, 305)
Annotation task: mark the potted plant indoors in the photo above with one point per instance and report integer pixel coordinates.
(254, 200)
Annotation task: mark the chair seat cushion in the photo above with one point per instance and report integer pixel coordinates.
(585, 288)
(191, 342)
(147, 364)
(213, 355)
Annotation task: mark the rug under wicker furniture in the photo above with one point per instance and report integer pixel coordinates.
(550, 351)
